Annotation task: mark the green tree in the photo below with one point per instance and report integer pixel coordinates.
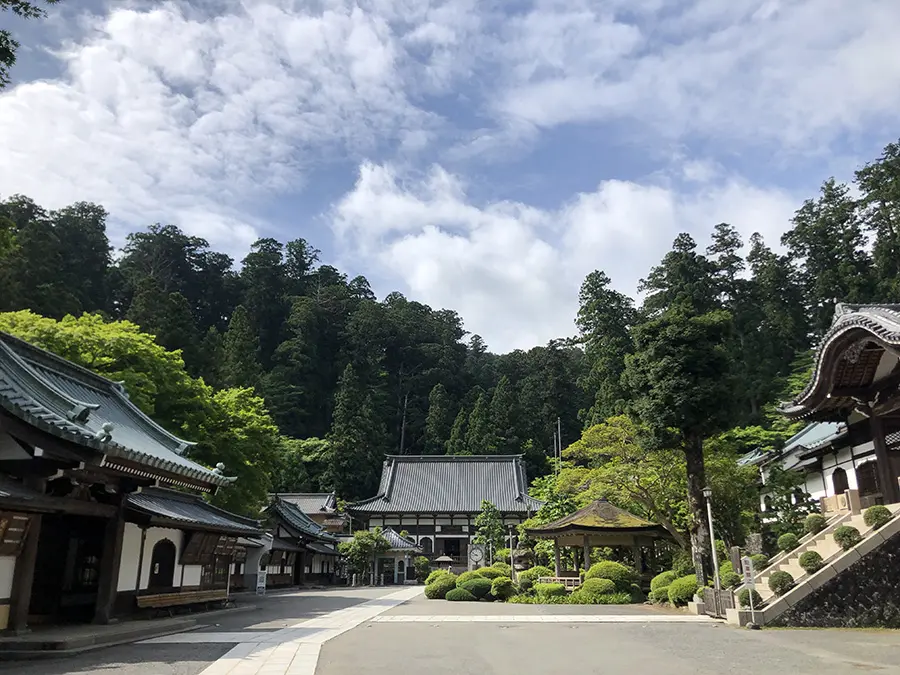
(265, 284)
(787, 502)
(489, 529)
(240, 352)
(8, 45)
(479, 435)
(362, 551)
(504, 419)
(879, 183)
(356, 440)
(680, 377)
(456, 444)
(168, 317)
(604, 320)
(439, 423)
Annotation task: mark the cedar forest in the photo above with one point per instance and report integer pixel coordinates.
(299, 379)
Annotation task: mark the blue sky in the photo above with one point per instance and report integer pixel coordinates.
(482, 156)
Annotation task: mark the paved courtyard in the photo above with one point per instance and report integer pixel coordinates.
(393, 631)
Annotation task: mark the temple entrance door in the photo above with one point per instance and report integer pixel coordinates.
(839, 480)
(162, 566)
(67, 569)
(452, 548)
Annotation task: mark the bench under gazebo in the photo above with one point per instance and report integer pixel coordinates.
(600, 524)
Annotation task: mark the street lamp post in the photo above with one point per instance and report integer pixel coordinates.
(707, 493)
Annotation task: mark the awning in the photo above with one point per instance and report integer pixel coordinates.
(188, 512)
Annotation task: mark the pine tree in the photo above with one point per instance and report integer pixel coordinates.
(504, 419)
(439, 423)
(168, 317)
(240, 362)
(356, 439)
(479, 436)
(456, 444)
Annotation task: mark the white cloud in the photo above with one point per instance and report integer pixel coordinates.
(513, 271)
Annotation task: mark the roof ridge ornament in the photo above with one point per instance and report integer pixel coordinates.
(104, 433)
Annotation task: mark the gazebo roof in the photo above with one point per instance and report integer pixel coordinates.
(598, 517)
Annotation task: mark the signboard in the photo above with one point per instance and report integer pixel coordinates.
(261, 581)
(747, 570)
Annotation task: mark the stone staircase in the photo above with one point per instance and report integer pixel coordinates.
(835, 560)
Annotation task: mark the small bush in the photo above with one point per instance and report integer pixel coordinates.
(682, 564)
(788, 542)
(422, 565)
(876, 516)
(529, 577)
(847, 537)
(439, 588)
(598, 586)
(662, 580)
(660, 596)
(681, 591)
(815, 522)
(780, 582)
(431, 578)
(521, 600)
(502, 588)
(726, 568)
(744, 598)
(621, 575)
(549, 590)
(581, 597)
(465, 576)
(504, 569)
(721, 550)
(730, 580)
(811, 562)
(760, 562)
(479, 586)
(637, 594)
(460, 595)
(490, 573)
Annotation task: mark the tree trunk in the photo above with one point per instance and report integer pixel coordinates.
(696, 480)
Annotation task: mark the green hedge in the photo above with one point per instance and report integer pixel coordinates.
(504, 569)
(744, 598)
(760, 562)
(876, 516)
(549, 590)
(439, 588)
(434, 575)
(811, 562)
(847, 537)
(662, 580)
(681, 591)
(780, 582)
(621, 575)
(579, 597)
(479, 587)
(465, 576)
(660, 596)
(815, 523)
(460, 595)
(788, 542)
(502, 588)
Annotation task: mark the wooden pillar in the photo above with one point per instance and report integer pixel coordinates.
(636, 556)
(586, 546)
(23, 578)
(889, 489)
(556, 555)
(109, 566)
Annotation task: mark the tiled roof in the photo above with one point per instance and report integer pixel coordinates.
(598, 516)
(14, 489)
(397, 542)
(810, 437)
(190, 510)
(316, 547)
(294, 517)
(310, 502)
(450, 483)
(72, 403)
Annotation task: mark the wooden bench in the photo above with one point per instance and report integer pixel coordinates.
(168, 601)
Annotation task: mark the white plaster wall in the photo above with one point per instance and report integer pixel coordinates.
(868, 446)
(7, 568)
(154, 535)
(392, 521)
(192, 575)
(128, 562)
(460, 520)
(814, 485)
(844, 455)
(375, 522)
(408, 520)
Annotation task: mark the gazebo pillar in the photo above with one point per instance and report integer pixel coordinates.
(556, 555)
(586, 545)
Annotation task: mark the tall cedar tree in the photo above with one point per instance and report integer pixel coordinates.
(240, 358)
(479, 434)
(879, 183)
(439, 422)
(456, 444)
(504, 419)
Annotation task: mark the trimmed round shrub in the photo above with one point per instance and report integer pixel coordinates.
(465, 576)
(479, 587)
(660, 596)
(788, 542)
(502, 588)
(744, 598)
(811, 562)
(529, 577)
(439, 588)
(847, 537)
(780, 582)
(432, 577)
(876, 516)
(815, 522)
(637, 593)
(681, 591)
(662, 580)
(730, 580)
(621, 575)
(598, 586)
(460, 595)
(549, 590)
(490, 573)
(502, 567)
(760, 562)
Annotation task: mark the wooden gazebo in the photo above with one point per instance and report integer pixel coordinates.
(600, 524)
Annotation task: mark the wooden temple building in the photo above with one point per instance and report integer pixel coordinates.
(91, 523)
(436, 498)
(321, 507)
(302, 551)
(855, 385)
(601, 524)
